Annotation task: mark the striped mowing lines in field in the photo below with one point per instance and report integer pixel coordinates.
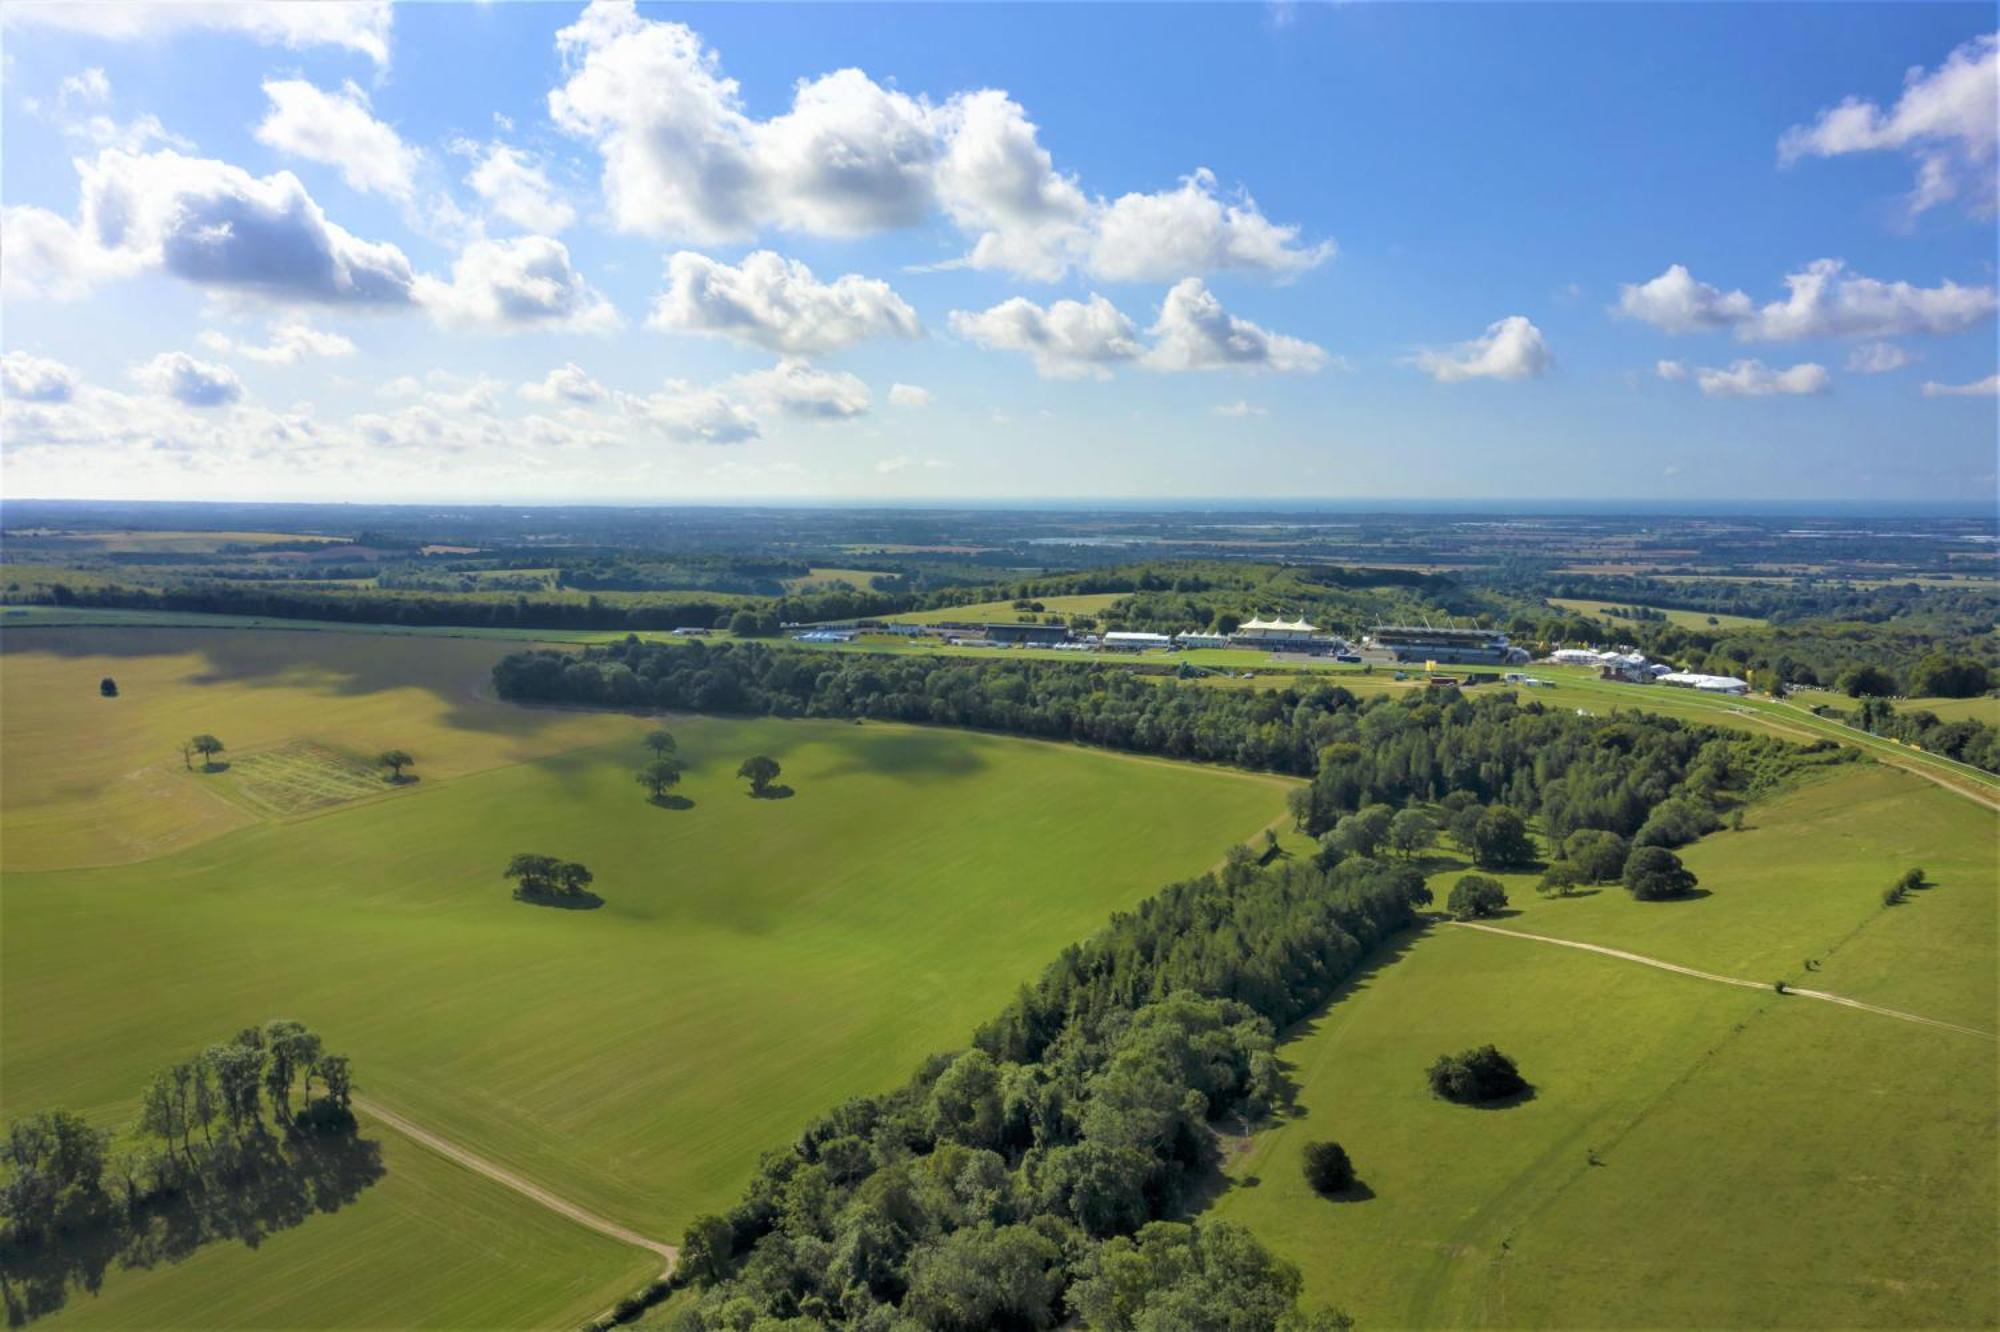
(301, 777)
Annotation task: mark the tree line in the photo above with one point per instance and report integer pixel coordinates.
(251, 1134)
(1966, 739)
(1030, 1177)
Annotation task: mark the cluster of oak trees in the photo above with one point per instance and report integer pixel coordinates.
(206, 1120)
(539, 878)
(662, 772)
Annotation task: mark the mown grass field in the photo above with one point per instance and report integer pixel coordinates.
(430, 1245)
(1686, 619)
(1985, 708)
(86, 780)
(1003, 612)
(1766, 1161)
(755, 960)
(820, 579)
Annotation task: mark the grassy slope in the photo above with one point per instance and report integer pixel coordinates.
(1003, 612)
(1768, 1161)
(1687, 619)
(430, 1245)
(90, 780)
(756, 961)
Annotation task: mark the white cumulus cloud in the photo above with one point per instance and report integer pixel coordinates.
(36, 379)
(691, 414)
(290, 342)
(1981, 388)
(1754, 379)
(908, 395)
(1826, 300)
(683, 159)
(86, 86)
(798, 389)
(565, 383)
(338, 129)
(778, 304)
(1877, 358)
(362, 26)
(526, 282)
(516, 188)
(1945, 119)
(1194, 332)
(1142, 237)
(1511, 348)
(1240, 409)
(205, 222)
(1067, 339)
(195, 383)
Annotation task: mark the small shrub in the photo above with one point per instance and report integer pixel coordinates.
(108, 687)
(1475, 895)
(1327, 1167)
(1895, 894)
(1653, 873)
(1560, 879)
(1474, 1077)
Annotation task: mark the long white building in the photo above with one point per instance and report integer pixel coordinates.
(1713, 684)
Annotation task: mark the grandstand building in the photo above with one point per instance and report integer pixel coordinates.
(1464, 647)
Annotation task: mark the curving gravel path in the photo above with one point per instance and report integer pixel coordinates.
(668, 1254)
(1643, 960)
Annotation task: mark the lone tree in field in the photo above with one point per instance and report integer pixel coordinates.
(659, 776)
(395, 760)
(1475, 895)
(207, 746)
(1653, 873)
(1474, 1077)
(662, 743)
(760, 770)
(1327, 1167)
(108, 687)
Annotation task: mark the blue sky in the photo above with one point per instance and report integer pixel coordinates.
(522, 251)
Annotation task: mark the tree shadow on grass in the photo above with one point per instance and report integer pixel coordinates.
(1508, 1102)
(774, 792)
(670, 802)
(1357, 1192)
(1691, 895)
(267, 1184)
(583, 901)
(407, 779)
(1207, 1183)
(214, 765)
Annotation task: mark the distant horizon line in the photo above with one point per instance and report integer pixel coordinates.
(1520, 505)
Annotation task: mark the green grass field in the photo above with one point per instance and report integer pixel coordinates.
(1985, 708)
(86, 780)
(1766, 1161)
(755, 960)
(820, 579)
(1003, 612)
(430, 1245)
(1686, 619)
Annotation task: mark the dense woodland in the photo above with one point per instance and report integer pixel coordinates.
(1042, 1174)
